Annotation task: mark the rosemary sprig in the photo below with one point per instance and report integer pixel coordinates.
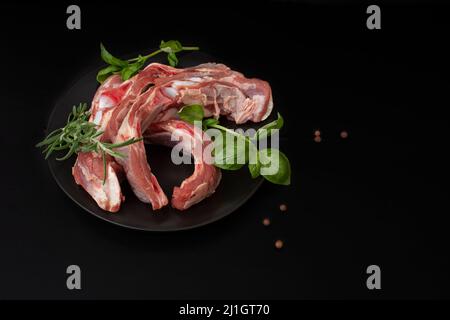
(80, 135)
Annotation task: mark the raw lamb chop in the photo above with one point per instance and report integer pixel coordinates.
(206, 177)
(222, 92)
(216, 87)
(109, 106)
(144, 184)
(88, 169)
(125, 109)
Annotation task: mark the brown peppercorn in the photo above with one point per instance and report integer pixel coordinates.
(266, 221)
(317, 139)
(283, 207)
(279, 244)
(344, 134)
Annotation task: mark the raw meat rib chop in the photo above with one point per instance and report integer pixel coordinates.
(140, 83)
(139, 175)
(109, 106)
(206, 177)
(217, 88)
(222, 91)
(88, 168)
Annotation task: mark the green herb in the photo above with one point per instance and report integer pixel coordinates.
(233, 157)
(80, 135)
(254, 169)
(110, 59)
(133, 68)
(103, 74)
(266, 130)
(128, 68)
(230, 156)
(209, 122)
(191, 113)
(283, 174)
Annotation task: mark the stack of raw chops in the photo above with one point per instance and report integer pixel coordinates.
(148, 103)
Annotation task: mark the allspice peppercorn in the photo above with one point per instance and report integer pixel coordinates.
(279, 244)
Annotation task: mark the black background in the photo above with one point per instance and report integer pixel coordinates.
(378, 197)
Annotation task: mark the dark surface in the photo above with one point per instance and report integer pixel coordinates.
(379, 197)
(234, 189)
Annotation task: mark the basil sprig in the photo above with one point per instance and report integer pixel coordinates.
(227, 157)
(128, 68)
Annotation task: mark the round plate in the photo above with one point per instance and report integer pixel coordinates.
(235, 188)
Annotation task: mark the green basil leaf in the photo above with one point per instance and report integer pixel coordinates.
(229, 157)
(230, 167)
(191, 113)
(110, 59)
(172, 58)
(254, 165)
(225, 160)
(171, 46)
(274, 157)
(254, 169)
(132, 69)
(209, 122)
(104, 74)
(266, 130)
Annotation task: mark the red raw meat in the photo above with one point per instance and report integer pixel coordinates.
(109, 106)
(88, 169)
(124, 110)
(206, 177)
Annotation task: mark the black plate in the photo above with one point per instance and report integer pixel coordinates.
(235, 188)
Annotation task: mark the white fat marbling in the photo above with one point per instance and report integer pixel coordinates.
(171, 92)
(179, 83)
(105, 102)
(98, 117)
